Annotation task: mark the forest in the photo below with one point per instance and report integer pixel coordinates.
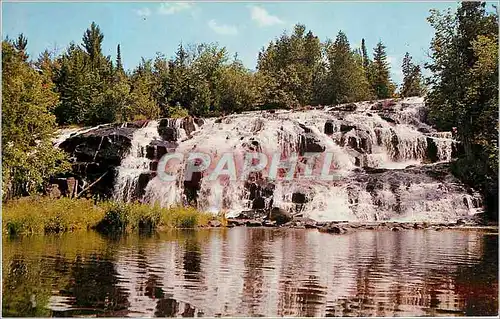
(81, 86)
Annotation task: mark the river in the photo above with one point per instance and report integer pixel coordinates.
(253, 272)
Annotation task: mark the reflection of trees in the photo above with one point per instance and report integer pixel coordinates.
(294, 273)
(93, 284)
(478, 285)
(256, 257)
(25, 290)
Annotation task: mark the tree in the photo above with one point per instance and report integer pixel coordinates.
(346, 78)
(366, 59)
(20, 44)
(380, 79)
(289, 63)
(412, 78)
(92, 43)
(28, 157)
(119, 65)
(464, 91)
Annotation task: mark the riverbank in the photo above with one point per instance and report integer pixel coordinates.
(43, 215)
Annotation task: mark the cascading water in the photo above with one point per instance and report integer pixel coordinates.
(393, 140)
(135, 162)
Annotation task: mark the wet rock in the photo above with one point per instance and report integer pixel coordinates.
(309, 144)
(253, 223)
(167, 133)
(387, 119)
(214, 223)
(460, 222)
(142, 182)
(188, 125)
(344, 128)
(269, 223)
(230, 225)
(258, 203)
(235, 222)
(329, 128)
(198, 121)
(432, 150)
(395, 229)
(333, 229)
(280, 216)
(299, 198)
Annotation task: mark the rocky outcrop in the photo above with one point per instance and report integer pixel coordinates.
(96, 154)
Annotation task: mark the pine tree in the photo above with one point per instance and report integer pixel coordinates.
(412, 78)
(366, 59)
(21, 44)
(92, 43)
(380, 80)
(346, 80)
(119, 65)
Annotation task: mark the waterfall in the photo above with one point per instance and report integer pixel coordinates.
(383, 158)
(135, 162)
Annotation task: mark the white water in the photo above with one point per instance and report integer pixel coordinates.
(135, 162)
(372, 142)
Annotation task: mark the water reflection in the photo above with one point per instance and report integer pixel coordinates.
(253, 272)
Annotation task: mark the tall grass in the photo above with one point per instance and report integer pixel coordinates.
(36, 215)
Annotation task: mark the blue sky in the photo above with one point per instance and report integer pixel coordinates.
(144, 28)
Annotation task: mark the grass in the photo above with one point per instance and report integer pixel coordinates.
(42, 215)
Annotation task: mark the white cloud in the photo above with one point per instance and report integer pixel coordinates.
(263, 18)
(144, 12)
(222, 28)
(174, 7)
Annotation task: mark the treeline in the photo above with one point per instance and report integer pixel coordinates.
(464, 91)
(296, 69)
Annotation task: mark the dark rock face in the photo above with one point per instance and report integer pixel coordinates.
(432, 150)
(99, 152)
(280, 216)
(329, 128)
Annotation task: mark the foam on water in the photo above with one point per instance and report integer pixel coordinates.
(359, 138)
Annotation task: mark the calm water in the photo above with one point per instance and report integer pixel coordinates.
(254, 272)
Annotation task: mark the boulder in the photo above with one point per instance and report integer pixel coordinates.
(280, 216)
(214, 223)
(253, 223)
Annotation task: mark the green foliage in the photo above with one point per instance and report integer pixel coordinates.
(287, 67)
(176, 112)
(379, 73)
(35, 215)
(464, 91)
(412, 78)
(28, 157)
(42, 215)
(346, 79)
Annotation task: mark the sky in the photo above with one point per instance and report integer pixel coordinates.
(144, 28)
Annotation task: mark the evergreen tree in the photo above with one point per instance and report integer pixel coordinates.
(464, 91)
(119, 65)
(92, 43)
(20, 44)
(412, 78)
(346, 78)
(380, 79)
(366, 59)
